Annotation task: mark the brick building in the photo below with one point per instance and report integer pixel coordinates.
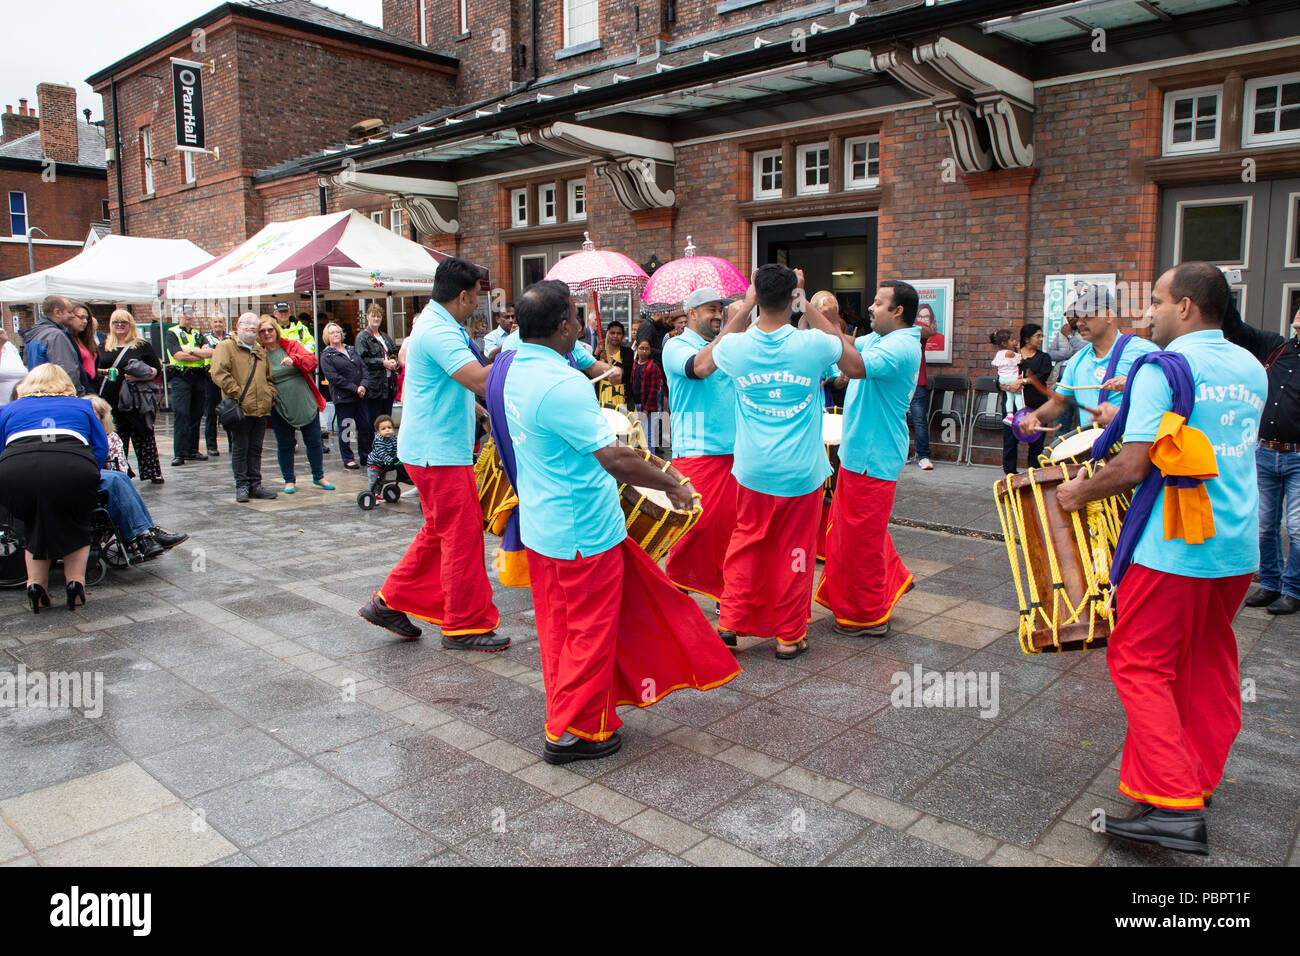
(52, 178)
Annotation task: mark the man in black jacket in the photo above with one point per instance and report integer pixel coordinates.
(1277, 461)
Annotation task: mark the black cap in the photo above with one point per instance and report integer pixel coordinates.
(1090, 299)
(282, 307)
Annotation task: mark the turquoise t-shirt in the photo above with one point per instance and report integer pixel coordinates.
(568, 503)
(777, 377)
(1084, 368)
(875, 409)
(580, 354)
(1231, 389)
(703, 416)
(437, 411)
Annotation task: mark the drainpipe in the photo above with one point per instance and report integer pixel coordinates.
(117, 154)
(532, 5)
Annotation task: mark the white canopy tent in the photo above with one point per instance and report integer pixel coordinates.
(116, 269)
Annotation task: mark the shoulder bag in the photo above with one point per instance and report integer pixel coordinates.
(230, 411)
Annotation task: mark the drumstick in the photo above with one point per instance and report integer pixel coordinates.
(609, 371)
(1032, 379)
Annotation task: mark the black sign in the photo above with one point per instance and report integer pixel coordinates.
(187, 92)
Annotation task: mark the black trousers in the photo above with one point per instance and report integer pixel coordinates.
(211, 398)
(246, 440)
(1011, 450)
(188, 398)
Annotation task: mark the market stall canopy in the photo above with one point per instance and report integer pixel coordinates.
(119, 269)
(343, 253)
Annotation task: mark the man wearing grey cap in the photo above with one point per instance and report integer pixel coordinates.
(1096, 374)
(703, 422)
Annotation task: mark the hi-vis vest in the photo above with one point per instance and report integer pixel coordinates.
(298, 333)
(189, 341)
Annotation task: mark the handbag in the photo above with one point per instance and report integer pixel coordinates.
(230, 411)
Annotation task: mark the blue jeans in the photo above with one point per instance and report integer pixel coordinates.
(125, 506)
(1279, 478)
(286, 443)
(920, 424)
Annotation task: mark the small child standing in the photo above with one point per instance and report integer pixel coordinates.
(1007, 362)
(383, 453)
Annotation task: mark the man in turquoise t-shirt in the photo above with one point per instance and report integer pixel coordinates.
(611, 629)
(580, 357)
(864, 576)
(442, 578)
(780, 461)
(1173, 654)
(703, 420)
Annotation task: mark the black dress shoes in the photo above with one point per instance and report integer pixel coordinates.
(1262, 598)
(177, 462)
(167, 539)
(197, 456)
(1182, 830)
(146, 547)
(1285, 604)
(581, 750)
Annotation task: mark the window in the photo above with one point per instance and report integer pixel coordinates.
(581, 21)
(768, 174)
(18, 214)
(862, 162)
(814, 163)
(1213, 230)
(464, 16)
(519, 207)
(188, 163)
(377, 218)
(146, 151)
(398, 223)
(1191, 123)
(545, 205)
(1272, 111)
(103, 209)
(1292, 258)
(1290, 306)
(577, 199)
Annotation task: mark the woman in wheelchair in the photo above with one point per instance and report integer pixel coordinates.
(131, 518)
(54, 445)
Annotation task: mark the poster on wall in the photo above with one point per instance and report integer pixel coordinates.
(1060, 293)
(936, 307)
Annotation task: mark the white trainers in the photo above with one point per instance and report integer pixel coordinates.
(925, 464)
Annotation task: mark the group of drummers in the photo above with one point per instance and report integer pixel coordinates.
(738, 510)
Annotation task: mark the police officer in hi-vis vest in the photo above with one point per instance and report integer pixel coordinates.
(188, 358)
(295, 329)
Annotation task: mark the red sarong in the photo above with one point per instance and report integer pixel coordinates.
(612, 630)
(864, 577)
(441, 578)
(821, 528)
(1173, 658)
(770, 564)
(695, 561)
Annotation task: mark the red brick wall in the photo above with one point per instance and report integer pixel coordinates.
(58, 122)
(63, 209)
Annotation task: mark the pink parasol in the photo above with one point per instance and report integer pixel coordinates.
(673, 281)
(598, 270)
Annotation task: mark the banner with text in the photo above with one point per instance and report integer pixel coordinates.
(187, 94)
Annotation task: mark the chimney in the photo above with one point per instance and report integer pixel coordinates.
(17, 124)
(58, 122)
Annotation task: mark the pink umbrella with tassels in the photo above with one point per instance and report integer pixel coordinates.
(673, 281)
(598, 270)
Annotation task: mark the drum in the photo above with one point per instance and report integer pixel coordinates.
(626, 428)
(495, 495)
(832, 435)
(1075, 447)
(652, 522)
(1060, 561)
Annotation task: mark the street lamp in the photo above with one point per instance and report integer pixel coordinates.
(31, 264)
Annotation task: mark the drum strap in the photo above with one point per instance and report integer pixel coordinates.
(1182, 458)
(511, 542)
(1112, 363)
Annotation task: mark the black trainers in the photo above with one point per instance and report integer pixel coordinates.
(381, 615)
(581, 750)
(260, 492)
(241, 494)
(491, 642)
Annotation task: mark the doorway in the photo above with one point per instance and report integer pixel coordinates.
(532, 262)
(836, 254)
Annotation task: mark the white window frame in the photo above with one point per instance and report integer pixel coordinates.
(868, 181)
(397, 221)
(571, 38)
(187, 167)
(518, 208)
(27, 217)
(1284, 329)
(1292, 225)
(1216, 201)
(577, 193)
(1277, 137)
(776, 190)
(548, 195)
(464, 17)
(1169, 147)
(377, 217)
(801, 164)
(146, 145)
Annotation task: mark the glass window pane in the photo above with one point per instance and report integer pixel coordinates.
(1294, 255)
(1264, 122)
(1290, 120)
(1183, 109)
(1206, 105)
(1182, 132)
(1205, 129)
(1265, 97)
(1214, 233)
(1291, 94)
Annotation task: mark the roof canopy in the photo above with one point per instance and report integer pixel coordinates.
(339, 255)
(120, 269)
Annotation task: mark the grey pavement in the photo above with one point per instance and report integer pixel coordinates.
(252, 718)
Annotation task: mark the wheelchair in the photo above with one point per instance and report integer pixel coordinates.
(389, 485)
(107, 548)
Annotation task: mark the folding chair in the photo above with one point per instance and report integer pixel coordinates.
(949, 398)
(988, 408)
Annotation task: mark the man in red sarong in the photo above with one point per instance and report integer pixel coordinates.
(780, 461)
(864, 577)
(1185, 555)
(611, 627)
(442, 577)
